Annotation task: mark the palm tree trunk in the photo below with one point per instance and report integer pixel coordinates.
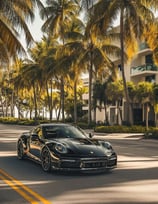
(120, 113)
(62, 99)
(35, 101)
(51, 101)
(129, 108)
(48, 98)
(90, 92)
(156, 119)
(106, 121)
(75, 102)
(147, 116)
(12, 104)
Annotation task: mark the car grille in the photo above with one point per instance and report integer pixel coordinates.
(93, 164)
(84, 164)
(112, 162)
(70, 164)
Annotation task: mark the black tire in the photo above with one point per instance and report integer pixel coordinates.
(20, 151)
(46, 160)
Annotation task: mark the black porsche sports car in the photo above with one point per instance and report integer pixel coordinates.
(65, 147)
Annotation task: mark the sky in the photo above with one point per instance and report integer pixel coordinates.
(35, 29)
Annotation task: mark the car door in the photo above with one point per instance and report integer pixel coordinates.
(36, 143)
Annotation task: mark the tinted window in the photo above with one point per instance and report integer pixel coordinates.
(62, 132)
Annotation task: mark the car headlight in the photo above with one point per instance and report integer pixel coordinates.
(60, 148)
(108, 152)
(108, 148)
(107, 145)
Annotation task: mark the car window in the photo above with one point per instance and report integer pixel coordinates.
(75, 132)
(38, 131)
(51, 132)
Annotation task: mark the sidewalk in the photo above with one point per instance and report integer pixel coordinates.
(119, 135)
(126, 136)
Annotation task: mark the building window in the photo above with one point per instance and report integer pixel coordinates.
(150, 78)
(149, 59)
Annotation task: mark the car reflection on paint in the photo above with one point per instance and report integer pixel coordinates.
(65, 147)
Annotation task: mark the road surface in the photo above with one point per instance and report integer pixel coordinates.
(134, 181)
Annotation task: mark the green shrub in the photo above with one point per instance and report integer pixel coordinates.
(9, 120)
(119, 129)
(152, 133)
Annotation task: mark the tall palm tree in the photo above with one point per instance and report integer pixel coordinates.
(13, 22)
(85, 6)
(97, 58)
(44, 53)
(59, 17)
(71, 49)
(134, 15)
(29, 77)
(98, 50)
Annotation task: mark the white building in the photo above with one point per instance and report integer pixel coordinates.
(141, 68)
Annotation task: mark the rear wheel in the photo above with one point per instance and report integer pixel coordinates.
(46, 160)
(20, 151)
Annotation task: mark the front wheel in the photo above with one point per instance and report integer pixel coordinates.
(20, 151)
(46, 160)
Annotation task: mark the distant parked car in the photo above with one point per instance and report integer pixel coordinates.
(65, 147)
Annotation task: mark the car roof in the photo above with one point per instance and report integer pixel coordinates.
(55, 124)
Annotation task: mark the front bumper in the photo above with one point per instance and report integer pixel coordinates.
(85, 164)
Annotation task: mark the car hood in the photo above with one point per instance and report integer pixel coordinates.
(82, 147)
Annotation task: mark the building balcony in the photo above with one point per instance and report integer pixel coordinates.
(144, 49)
(146, 69)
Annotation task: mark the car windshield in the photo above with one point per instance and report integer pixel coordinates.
(51, 132)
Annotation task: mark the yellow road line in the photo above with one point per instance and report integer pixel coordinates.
(18, 190)
(19, 185)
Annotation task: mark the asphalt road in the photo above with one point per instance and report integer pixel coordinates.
(135, 180)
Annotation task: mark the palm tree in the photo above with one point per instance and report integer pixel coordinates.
(97, 58)
(134, 16)
(44, 53)
(145, 96)
(86, 5)
(74, 43)
(13, 18)
(28, 78)
(98, 95)
(114, 94)
(97, 49)
(59, 18)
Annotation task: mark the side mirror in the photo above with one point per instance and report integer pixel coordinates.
(90, 135)
(34, 137)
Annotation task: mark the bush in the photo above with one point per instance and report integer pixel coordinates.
(16, 121)
(152, 134)
(120, 129)
(9, 120)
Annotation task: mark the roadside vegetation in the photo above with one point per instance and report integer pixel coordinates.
(151, 133)
(79, 37)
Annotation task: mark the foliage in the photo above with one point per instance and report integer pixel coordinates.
(16, 121)
(120, 129)
(13, 23)
(9, 120)
(152, 134)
